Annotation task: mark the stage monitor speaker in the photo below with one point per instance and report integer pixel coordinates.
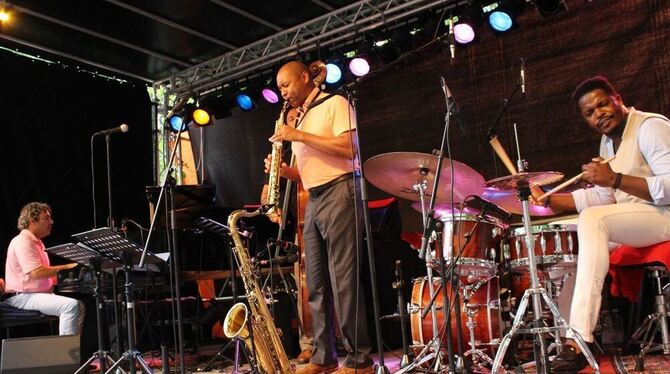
(46, 354)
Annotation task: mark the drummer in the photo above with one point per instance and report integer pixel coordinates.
(628, 205)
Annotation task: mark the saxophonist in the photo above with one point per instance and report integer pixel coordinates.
(322, 143)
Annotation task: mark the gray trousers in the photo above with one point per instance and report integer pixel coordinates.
(332, 266)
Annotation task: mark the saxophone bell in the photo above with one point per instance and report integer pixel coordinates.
(235, 323)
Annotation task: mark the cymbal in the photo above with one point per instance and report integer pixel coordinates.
(444, 210)
(539, 178)
(508, 200)
(397, 172)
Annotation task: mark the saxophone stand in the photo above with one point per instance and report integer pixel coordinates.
(223, 230)
(132, 354)
(102, 355)
(536, 292)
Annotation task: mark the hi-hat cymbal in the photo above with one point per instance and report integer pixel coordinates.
(539, 178)
(508, 200)
(398, 172)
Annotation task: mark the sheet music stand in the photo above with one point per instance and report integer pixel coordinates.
(115, 248)
(86, 256)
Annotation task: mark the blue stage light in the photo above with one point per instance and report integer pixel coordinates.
(333, 73)
(500, 21)
(244, 101)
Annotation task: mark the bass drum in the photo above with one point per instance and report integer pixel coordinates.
(483, 304)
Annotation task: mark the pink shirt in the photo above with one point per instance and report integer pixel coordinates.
(25, 254)
(331, 118)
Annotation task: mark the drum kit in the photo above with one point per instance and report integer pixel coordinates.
(477, 246)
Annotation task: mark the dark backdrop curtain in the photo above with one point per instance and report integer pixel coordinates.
(49, 115)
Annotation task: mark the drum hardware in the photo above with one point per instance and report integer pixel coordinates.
(521, 182)
(471, 311)
(398, 285)
(450, 192)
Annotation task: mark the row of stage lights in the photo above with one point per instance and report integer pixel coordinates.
(500, 17)
(203, 114)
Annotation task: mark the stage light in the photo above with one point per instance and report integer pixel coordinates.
(201, 117)
(333, 73)
(464, 33)
(359, 66)
(4, 16)
(270, 95)
(500, 21)
(467, 23)
(244, 101)
(501, 16)
(176, 121)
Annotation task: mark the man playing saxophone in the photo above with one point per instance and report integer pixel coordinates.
(322, 143)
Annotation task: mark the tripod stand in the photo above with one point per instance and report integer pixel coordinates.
(118, 249)
(102, 355)
(132, 354)
(222, 230)
(536, 292)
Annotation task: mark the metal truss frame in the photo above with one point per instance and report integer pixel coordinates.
(334, 27)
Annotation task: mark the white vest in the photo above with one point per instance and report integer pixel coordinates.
(629, 160)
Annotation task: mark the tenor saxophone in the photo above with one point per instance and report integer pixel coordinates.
(275, 165)
(269, 352)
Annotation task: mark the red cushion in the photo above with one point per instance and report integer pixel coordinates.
(626, 270)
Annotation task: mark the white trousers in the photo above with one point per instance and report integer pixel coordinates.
(69, 311)
(632, 224)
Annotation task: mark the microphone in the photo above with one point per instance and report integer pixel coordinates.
(447, 94)
(280, 260)
(122, 128)
(452, 38)
(522, 77)
(484, 205)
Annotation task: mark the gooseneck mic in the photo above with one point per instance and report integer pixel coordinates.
(484, 205)
(447, 94)
(522, 77)
(122, 128)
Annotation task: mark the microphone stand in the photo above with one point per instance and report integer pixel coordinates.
(110, 218)
(172, 244)
(381, 367)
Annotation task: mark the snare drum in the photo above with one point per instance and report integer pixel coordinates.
(555, 246)
(483, 303)
(481, 255)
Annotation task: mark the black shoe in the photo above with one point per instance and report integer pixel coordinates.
(569, 361)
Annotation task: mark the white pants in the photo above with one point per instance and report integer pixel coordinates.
(632, 224)
(69, 311)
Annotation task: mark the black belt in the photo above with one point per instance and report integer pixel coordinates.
(318, 190)
(7, 295)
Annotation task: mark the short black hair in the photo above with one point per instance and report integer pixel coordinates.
(593, 83)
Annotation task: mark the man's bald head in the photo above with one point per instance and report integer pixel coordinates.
(294, 68)
(294, 83)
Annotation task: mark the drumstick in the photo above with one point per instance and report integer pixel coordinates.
(569, 181)
(500, 151)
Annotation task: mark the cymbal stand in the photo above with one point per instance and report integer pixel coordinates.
(537, 294)
(432, 349)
